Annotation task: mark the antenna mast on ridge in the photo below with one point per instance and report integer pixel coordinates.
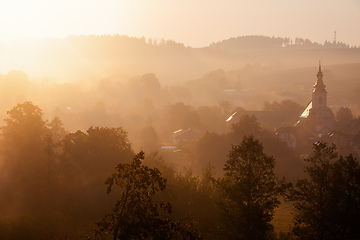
(334, 36)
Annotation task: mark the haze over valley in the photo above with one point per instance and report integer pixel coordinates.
(168, 120)
(116, 74)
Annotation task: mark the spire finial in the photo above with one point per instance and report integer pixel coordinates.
(319, 83)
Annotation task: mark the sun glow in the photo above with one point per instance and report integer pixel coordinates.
(46, 19)
(195, 23)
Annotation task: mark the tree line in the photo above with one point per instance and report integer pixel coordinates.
(52, 187)
(265, 42)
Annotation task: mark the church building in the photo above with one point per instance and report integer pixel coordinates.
(317, 114)
(316, 121)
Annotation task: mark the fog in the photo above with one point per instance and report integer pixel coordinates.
(104, 98)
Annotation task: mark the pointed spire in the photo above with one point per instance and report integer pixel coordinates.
(319, 85)
(319, 74)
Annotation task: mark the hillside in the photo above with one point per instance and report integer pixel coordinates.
(121, 57)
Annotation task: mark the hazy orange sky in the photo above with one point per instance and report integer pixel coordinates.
(193, 22)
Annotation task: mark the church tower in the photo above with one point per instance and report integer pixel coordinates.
(319, 94)
(319, 112)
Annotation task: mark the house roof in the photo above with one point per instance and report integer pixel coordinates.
(306, 112)
(187, 133)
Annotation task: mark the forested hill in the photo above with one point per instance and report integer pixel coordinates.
(121, 57)
(247, 43)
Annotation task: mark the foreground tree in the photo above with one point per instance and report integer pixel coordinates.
(250, 191)
(96, 151)
(246, 126)
(137, 214)
(328, 201)
(29, 160)
(24, 132)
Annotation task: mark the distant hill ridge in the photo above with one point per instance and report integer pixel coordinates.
(264, 43)
(119, 56)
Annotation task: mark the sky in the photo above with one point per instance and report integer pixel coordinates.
(195, 23)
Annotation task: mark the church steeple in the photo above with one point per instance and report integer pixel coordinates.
(317, 112)
(319, 85)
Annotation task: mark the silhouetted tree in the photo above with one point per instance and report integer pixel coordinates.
(212, 149)
(137, 214)
(97, 150)
(28, 157)
(180, 115)
(328, 201)
(86, 160)
(344, 115)
(190, 194)
(247, 125)
(211, 118)
(149, 139)
(226, 107)
(250, 191)
(57, 129)
(24, 127)
(285, 105)
(288, 165)
(145, 86)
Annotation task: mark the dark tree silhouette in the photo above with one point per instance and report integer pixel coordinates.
(180, 115)
(250, 191)
(328, 201)
(285, 105)
(29, 160)
(247, 125)
(344, 115)
(97, 151)
(25, 127)
(137, 214)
